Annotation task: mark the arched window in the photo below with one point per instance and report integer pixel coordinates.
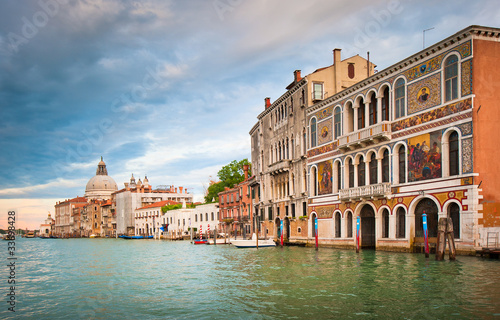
(453, 156)
(373, 169)
(451, 78)
(349, 225)
(337, 123)
(350, 167)
(339, 176)
(361, 114)
(314, 179)
(361, 172)
(399, 98)
(313, 132)
(454, 214)
(385, 223)
(402, 164)
(337, 225)
(348, 117)
(400, 223)
(372, 110)
(385, 166)
(385, 104)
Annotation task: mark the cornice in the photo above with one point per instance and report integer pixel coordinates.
(411, 60)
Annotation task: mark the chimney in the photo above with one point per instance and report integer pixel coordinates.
(245, 169)
(296, 76)
(267, 102)
(126, 186)
(368, 64)
(180, 189)
(175, 190)
(336, 70)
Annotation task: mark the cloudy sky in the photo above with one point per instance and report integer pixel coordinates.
(170, 89)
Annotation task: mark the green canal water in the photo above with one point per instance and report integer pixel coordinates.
(148, 279)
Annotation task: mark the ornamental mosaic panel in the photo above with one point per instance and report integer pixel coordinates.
(467, 156)
(325, 177)
(435, 63)
(424, 157)
(432, 115)
(325, 131)
(323, 114)
(322, 149)
(424, 94)
(467, 77)
(466, 128)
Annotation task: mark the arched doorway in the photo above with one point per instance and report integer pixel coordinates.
(286, 227)
(431, 210)
(313, 225)
(367, 227)
(277, 223)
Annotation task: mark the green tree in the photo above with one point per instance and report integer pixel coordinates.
(229, 175)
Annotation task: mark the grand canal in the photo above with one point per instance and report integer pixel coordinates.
(148, 279)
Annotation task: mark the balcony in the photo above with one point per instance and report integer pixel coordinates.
(366, 136)
(380, 190)
(279, 167)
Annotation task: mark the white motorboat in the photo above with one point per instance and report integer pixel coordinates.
(252, 243)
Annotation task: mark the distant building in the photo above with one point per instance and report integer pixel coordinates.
(63, 216)
(236, 208)
(147, 219)
(47, 228)
(101, 186)
(138, 195)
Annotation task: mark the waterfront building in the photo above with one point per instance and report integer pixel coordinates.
(150, 218)
(108, 219)
(63, 219)
(138, 195)
(236, 208)
(279, 145)
(47, 228)
(205, 216)
(417, 137)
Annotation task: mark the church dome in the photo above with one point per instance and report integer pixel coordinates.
(100, 186)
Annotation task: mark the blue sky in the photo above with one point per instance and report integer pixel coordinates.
(170, 89)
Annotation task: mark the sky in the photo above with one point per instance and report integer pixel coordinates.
(171, 89)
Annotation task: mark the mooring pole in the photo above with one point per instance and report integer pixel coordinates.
(281, 233)
(316, 231)
(441, 239)
(451, 240)
(215, 235)
(426, 234)
(357, 233)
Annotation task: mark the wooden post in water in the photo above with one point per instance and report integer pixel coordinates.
(441, 239)
(215, 236)
(281, 233)
(451, 240)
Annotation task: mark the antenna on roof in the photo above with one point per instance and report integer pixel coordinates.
(423, 40)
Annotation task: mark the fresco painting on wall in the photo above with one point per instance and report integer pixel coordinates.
(424, 157)
(325, 177)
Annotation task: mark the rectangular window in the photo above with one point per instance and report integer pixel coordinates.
(293, 210)
(304, 208)
(270, 213)
(317, 91)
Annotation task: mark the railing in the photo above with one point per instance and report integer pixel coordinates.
(380, 131)
(372, 190)
(279, 166)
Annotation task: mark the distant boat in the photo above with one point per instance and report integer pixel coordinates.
(252, 243)
(135, 237)
(200, 241)
(93, 236)
(30, 234)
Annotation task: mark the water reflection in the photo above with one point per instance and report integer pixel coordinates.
(109, 278)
